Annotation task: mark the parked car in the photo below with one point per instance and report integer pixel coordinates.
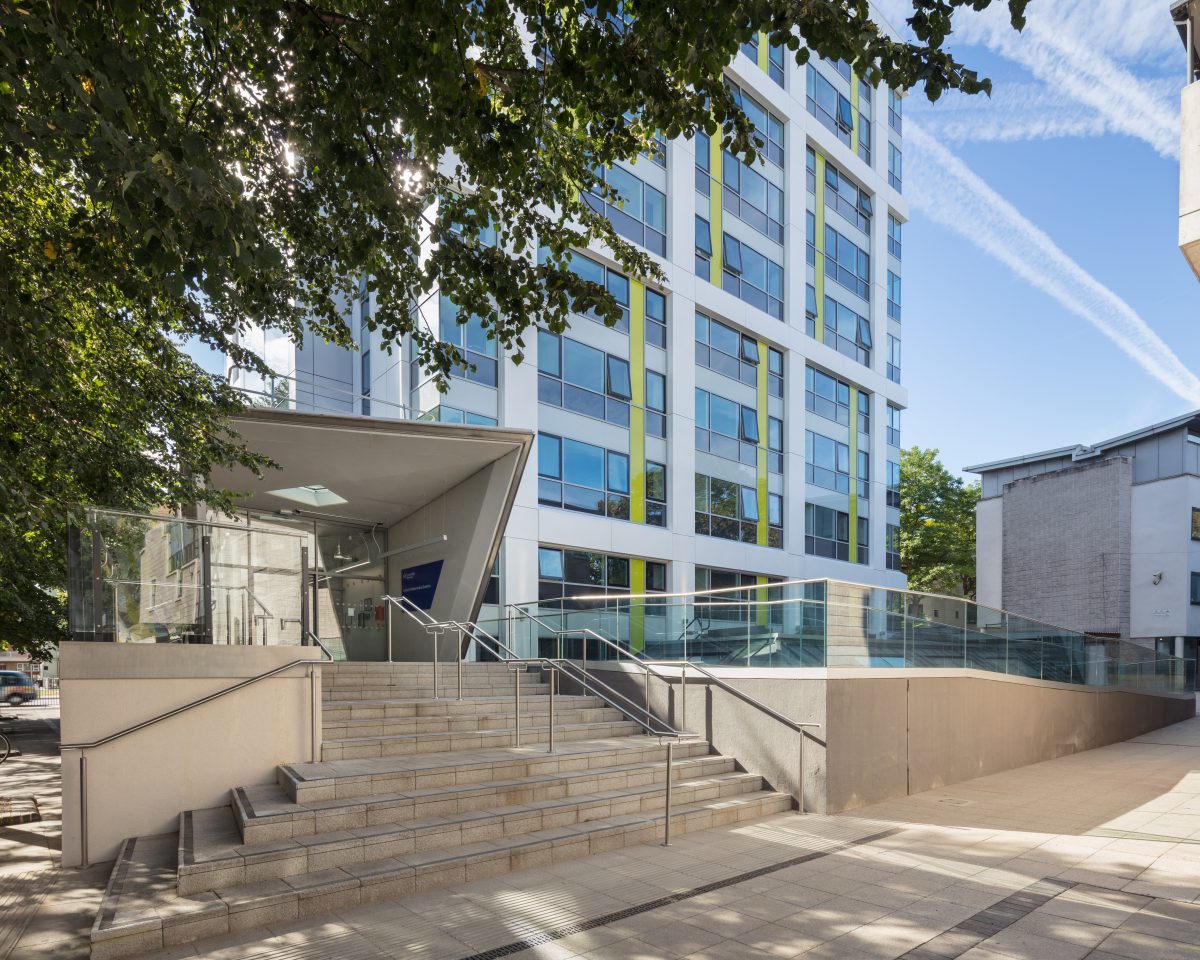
(16, 687)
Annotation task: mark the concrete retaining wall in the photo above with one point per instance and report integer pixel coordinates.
(139, 784)
(889, 733)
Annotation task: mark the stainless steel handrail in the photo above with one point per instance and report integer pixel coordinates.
(200, 701)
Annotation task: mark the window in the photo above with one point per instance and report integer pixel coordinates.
(656, 319)
(656, 577)
(847, 198)
(704, 248)
(365, 372)
(826, 462)
(863, 477)
(658, 152)
(893, 296)
(1196, 523)
(864, 137)
(893, 484)
(895, 113)
(1196, 588)
(895, 172)
(656, 494)
(846, 264)
(830, 107)
(751, 277)
(774, 57)
(894, 245)
(768, 126)
(583, 477)
(724, 428)
(775, 372)
(774, 445)
(892, 547)
(864, 412)
(863, 553)
(617, 284)
(848, 332)
(577, 377)
(475, 344)
(893, 434)
(639, 215)
(726, 509)
(810, 238)
(826, 532)
(826, 396)
(727, 351)
(752, 198)
(893, 364)
(775, 521)
(575, 573)
(656, 404)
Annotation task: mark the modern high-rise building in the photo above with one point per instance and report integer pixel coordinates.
(742, 423)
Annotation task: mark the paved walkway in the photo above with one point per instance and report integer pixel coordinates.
(1094, 855)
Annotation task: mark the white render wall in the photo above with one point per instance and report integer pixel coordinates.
(1162, 543)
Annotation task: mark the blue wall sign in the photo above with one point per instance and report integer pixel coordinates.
(419, 583)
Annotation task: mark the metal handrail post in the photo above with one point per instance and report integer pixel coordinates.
(800, 781)
(553, 678)
(517, 708)
(83, 806)
(460, 656)
(667, 798)
(436, 690)
(388, 608)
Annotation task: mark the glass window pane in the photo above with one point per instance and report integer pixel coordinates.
(701, 408)
(550, 563)
(656, 306)
(724, 415)
(629, 187)
(724, 339)
(584, 568)
(656, 210)
(618, 378)
(749, 503)
(703, 237)
(588, 269)
(749, 425)
(583, 464)
(618, 286)
(549, 360)
(583, 365)
(656, 481)
(618, 472)
(732, 250)
(618, 572)
(549, 456)
(656, 391)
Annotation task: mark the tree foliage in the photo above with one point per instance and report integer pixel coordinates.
(937, 525)
(182, 169)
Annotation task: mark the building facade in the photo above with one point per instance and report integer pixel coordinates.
(742, 423)
(1103, 539)
(1186, 14)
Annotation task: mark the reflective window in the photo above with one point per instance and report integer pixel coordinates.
(826, 462)
(577, 573)
(639, 215)
(895, 111)
(894, 237)
(656, 404)
(729, 352)
(617, 284)
(893, 363)
(847, 264)
(752, 198)
(893, 484)
(775, 372)
(656, 494)
(726, 428)
(895, 171)
(831, 108)
(847, 198)
(656, 318)
(826, 532)
(581, 476)
(893, 425)
(704, 248)
(826, 396)
(848, 332)
(892, 547)
(768, 126)
(726, 509)
(473, 342)
(752, 277)
(577, 377)
(893, 296)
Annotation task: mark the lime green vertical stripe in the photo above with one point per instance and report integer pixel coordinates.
(854, 398)
(762, 444)
(761, 596)
(637, 411)
(764, 52)
(637, 609)
(716, 172)
(819, 230)
(854, 111)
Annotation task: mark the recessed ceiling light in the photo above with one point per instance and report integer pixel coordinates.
(312, 495)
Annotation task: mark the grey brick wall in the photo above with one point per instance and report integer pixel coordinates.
(1066, 547)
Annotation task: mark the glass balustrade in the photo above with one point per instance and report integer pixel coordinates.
(830, 623)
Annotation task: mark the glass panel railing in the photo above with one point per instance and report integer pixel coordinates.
(829, 623)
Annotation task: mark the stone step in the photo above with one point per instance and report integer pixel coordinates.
(214, 855)
(410, 667)
(139, 914)
(335, 729)
(265, 813)
(446, 691)
(447, 707)
(308, 783)
(446, 678)
(401, 744)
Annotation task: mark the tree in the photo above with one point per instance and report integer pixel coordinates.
(937, 525)
(182, 169)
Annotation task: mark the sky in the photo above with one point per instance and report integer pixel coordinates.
(1046, 302)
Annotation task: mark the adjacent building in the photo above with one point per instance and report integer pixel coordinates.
(1186, 14)
(742, 423)
(1104, 539)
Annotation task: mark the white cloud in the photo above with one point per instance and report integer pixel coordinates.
(1015, 111)
(947, 191)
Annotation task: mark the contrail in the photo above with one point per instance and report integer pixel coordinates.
(949, 192)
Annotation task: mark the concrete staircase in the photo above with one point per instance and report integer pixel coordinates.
(414, 793)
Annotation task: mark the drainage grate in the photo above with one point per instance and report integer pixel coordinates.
(567, 930)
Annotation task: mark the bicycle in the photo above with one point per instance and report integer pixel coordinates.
(5, 748)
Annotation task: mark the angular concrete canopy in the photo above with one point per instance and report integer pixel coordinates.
(385, 469)
(443, 492)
